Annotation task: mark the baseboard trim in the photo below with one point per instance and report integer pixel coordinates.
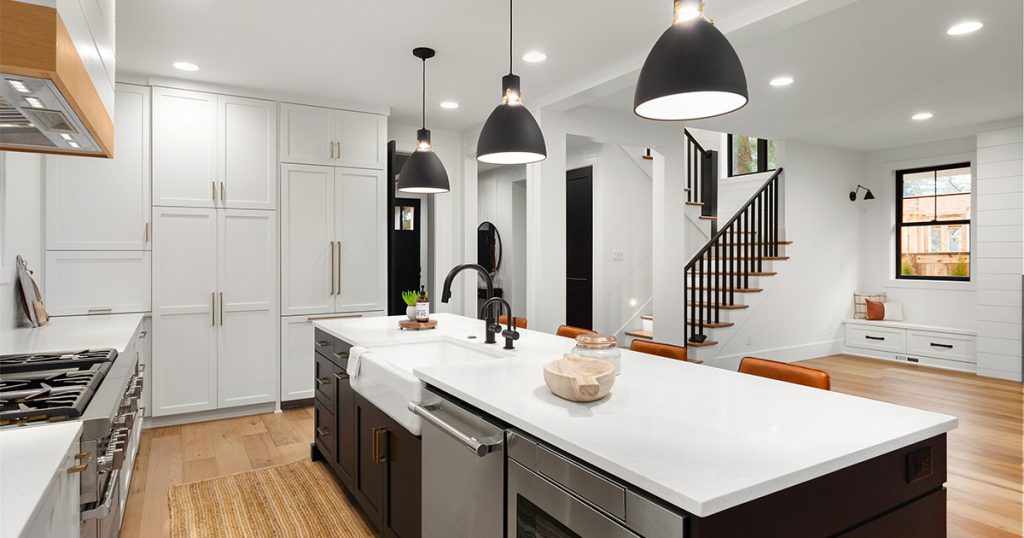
(800, 352)
(295, 404)
(206, 416)
(1000, 374)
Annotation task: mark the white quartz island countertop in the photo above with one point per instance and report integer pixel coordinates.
(701, 438)
(72, 333)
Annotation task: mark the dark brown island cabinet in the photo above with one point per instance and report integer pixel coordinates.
(376, 460)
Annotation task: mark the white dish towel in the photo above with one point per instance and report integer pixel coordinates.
(355, 356)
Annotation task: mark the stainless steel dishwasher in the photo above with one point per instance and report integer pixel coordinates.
(463, 470)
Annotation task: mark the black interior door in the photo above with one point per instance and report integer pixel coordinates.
(579, 247)
(404, 271)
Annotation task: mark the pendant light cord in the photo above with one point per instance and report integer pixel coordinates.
(423, 108)
(510, 37)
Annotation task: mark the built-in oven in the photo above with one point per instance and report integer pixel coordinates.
(550, 495)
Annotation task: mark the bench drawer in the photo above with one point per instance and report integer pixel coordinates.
(954, 347)
(876, 338)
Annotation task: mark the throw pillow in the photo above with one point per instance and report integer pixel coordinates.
(893, 311)
(875, 310)
(860, 310)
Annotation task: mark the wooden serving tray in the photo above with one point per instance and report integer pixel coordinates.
(413, 325)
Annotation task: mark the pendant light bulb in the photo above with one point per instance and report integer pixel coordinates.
(423, 172)
(692, 71)
(511, 134)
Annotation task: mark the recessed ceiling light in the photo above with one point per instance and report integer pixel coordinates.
(19, 85)
(535, 56)
(921, 116)
(449, 105)
(781, 81)
(186, 66)
(34, 102)
(965, 27)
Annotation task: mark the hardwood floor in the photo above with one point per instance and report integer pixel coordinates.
(191, 452)
(984, 461)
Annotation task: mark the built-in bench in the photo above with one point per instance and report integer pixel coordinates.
(942, 347)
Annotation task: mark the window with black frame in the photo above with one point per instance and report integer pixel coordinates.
(750, 155)
(933, 223)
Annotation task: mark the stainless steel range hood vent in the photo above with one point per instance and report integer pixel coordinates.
(33, 114)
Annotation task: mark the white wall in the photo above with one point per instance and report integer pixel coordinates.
(21, 227)
(799, 313)
(447, 224)
(497, 190)
(999, 219)
(943, 304)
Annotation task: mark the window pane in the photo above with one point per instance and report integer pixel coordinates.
(919, 197)
(936, 251)
(954, 207)
(408, 218)
(744, 155)
(773, 162)
(955, 181)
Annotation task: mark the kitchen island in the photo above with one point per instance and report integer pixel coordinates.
(735, 453)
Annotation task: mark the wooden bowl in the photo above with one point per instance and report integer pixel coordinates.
(579, 379)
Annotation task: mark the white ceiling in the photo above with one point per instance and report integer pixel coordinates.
(862, 70)
(360, 50)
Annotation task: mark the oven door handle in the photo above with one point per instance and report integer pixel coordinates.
(102, 510)
(471, 443)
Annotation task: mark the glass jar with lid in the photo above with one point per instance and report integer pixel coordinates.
(593, 346)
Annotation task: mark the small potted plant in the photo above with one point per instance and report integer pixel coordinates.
(410, 297)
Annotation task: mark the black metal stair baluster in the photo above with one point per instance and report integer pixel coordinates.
(775, 195)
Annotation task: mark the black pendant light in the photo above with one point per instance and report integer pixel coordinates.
(510, 134)
(692, 72)
(423, 171)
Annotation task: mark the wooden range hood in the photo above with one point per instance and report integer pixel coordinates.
(35, 44)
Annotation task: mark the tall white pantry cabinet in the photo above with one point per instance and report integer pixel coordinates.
(333, 235)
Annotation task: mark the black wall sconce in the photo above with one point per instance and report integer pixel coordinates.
(867, 193)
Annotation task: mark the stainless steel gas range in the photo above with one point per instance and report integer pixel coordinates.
(103, 390)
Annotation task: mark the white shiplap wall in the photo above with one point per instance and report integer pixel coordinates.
(1000, 240)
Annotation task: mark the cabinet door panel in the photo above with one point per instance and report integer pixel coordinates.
(345, 403)
(296, 358)
(103, 204)
(359, 228)
(362, 139)
(247, 343)
(247, 150)
(372, 476)
(306, 134)
(184, 148)
(307, 230)
(184, 334)
(84, 282)
(404, 492)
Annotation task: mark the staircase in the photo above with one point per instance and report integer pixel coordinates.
(723, 276)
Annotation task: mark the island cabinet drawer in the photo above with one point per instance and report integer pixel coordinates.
(325, 379)
(876, 338)
(323, 343)
(953, 347)
(334, 349)
(325, 432)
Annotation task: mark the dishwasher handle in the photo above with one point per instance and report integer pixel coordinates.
(472, 444)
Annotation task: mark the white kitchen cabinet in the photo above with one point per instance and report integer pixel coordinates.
(145, 349)
(58, 513)
(184, 148)
(97, 282)
(297, 353)
(213, 150)
(215, 317)
(333, 252)
(247, 152)
(184, 310)
(103, 204)
(324, 136)
(247, 303)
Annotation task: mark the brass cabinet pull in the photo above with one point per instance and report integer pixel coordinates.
(339, 149)
(380, 439)
(145, 233)
(342, 316)
(223, 193)
(341, 376)
(222, 308)
(106, 310)
(341, 354)
(322, 343)
(83, 457)
(323, 381)
(322, 431)
(77, 469)
(332, 267)
(213, 309)
(339, 267)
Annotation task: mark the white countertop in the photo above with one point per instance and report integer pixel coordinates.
(29, 458)
(73, 333)
(701, 438)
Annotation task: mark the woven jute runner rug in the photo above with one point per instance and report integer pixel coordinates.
(299, 499)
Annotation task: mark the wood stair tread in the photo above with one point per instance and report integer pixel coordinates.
(696, 204)
(734, 290)
(752, 273)
(766, 258)
(706, 343)
(649, 317)
(781, 242)
(647, 335)
(720, 307)
(712, 324)
(708, 217)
